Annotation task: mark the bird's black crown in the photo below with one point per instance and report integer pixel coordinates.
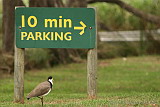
(50, 77)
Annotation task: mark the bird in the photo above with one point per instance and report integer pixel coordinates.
(41, 89)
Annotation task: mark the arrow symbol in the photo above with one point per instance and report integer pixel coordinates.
(81, 28)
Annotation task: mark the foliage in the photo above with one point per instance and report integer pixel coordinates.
(118, 49)
(0, 6)
(37, 58)
(131, 82)
(0, 42)
(118, 19)
(1, 23)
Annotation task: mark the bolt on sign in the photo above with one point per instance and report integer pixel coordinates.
(55, 27)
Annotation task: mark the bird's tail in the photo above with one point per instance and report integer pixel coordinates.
(28, 97)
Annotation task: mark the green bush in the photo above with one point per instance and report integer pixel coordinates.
(0, 23)
(106, 50)
(117, 18)
(37, 58)
(118, 49)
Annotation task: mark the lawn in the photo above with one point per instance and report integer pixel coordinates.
(131, 83)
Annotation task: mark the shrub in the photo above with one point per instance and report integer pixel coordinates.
(37, 58)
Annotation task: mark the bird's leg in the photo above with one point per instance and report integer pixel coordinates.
(42, 101)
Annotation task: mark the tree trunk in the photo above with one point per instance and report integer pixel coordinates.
(76, 3)
(46, 3)
(8, 24)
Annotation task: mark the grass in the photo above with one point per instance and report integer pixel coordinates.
(131, 83)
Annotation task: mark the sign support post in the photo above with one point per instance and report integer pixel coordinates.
(92, 68)
(19, 75)
(91, 73)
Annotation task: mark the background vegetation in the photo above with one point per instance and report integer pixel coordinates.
(116, 18)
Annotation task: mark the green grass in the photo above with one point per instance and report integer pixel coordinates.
(131, 83)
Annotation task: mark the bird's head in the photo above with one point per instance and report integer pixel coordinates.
(50, 79)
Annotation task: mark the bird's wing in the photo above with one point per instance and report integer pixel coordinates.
(40, 90)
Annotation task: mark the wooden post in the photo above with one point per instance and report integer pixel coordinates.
(19, 75)
(92, 73)
(92, 69)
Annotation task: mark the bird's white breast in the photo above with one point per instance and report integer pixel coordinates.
(47, 93)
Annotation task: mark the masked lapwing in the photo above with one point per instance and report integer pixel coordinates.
(42, 89)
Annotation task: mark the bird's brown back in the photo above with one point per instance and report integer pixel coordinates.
(40, 90)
